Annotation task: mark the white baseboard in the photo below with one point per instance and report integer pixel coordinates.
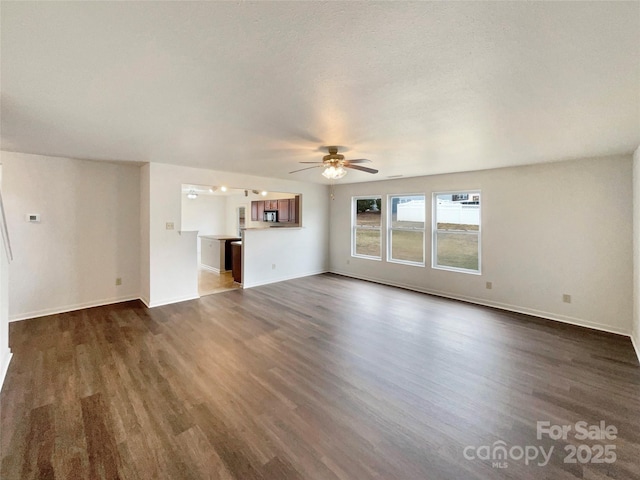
(70, 308)
(283, 279)
(144, 300)
(172, 300)
(636, 347)
(502, 306)
(4, 366)
(100, 303)
(210, 269)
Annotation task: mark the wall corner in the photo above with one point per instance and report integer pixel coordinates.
(635, 328)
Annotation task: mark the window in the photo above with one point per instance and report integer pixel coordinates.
(456, 231)
(241, 221)
(406, 229)
(365, 220)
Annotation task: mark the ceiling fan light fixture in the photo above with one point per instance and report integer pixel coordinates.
(334, 165)
(334, 173)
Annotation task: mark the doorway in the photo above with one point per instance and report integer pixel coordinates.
(210, 282)
(212, 211)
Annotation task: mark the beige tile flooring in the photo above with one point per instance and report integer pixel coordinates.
(210, 282)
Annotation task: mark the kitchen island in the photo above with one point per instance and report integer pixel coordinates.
(236, 248)
(215, 252)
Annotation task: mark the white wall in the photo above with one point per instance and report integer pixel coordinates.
(205, 215)
(5, 351)
(172, 254)
(635, 336)
(89, 233)
(231, 210)
(173, 259)
(295, 252)
(576, 238)
(145, 239)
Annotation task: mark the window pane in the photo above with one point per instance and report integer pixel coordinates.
(407, 245)
(458, 211)
(407, 211)
(366, 227)
(458, 250)
(367, 242)
(457, 234)
(368, 212)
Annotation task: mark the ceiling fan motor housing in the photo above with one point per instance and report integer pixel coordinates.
(335, 161)
(334, 157)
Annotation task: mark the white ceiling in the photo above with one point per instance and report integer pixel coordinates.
(418, 88)
(217, 191)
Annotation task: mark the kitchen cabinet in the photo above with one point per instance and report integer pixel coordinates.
(257, 210)
(288, 209)
(260, 211)
(283, 210)
(294, 209)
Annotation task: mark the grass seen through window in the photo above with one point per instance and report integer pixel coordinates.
(367, 227)
(456, 239)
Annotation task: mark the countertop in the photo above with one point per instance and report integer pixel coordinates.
(220, 237)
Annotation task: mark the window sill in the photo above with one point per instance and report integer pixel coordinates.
(366, 257)
(457, 270)
(403, 262)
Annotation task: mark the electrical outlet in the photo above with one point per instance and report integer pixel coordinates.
(273, 266)
(118, 281)
(489, 285)
(348, 262)
(169, 225)
(566, 298)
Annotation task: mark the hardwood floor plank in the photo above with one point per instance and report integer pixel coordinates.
(200, 452)
(104, 459)
(278, 468)
(234, 453)
(37, 460)
(321, 378)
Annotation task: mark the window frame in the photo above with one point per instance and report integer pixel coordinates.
(435, 231)
(390, 229)
(354, 226)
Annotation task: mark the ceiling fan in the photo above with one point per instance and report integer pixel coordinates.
(334, 165)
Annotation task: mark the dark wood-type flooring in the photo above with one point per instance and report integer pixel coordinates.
(323, 377)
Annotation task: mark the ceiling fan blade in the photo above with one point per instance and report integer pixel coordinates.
(307, 168)
(363, 169)
(359, 160)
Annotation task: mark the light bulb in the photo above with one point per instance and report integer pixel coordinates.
(333, 173)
